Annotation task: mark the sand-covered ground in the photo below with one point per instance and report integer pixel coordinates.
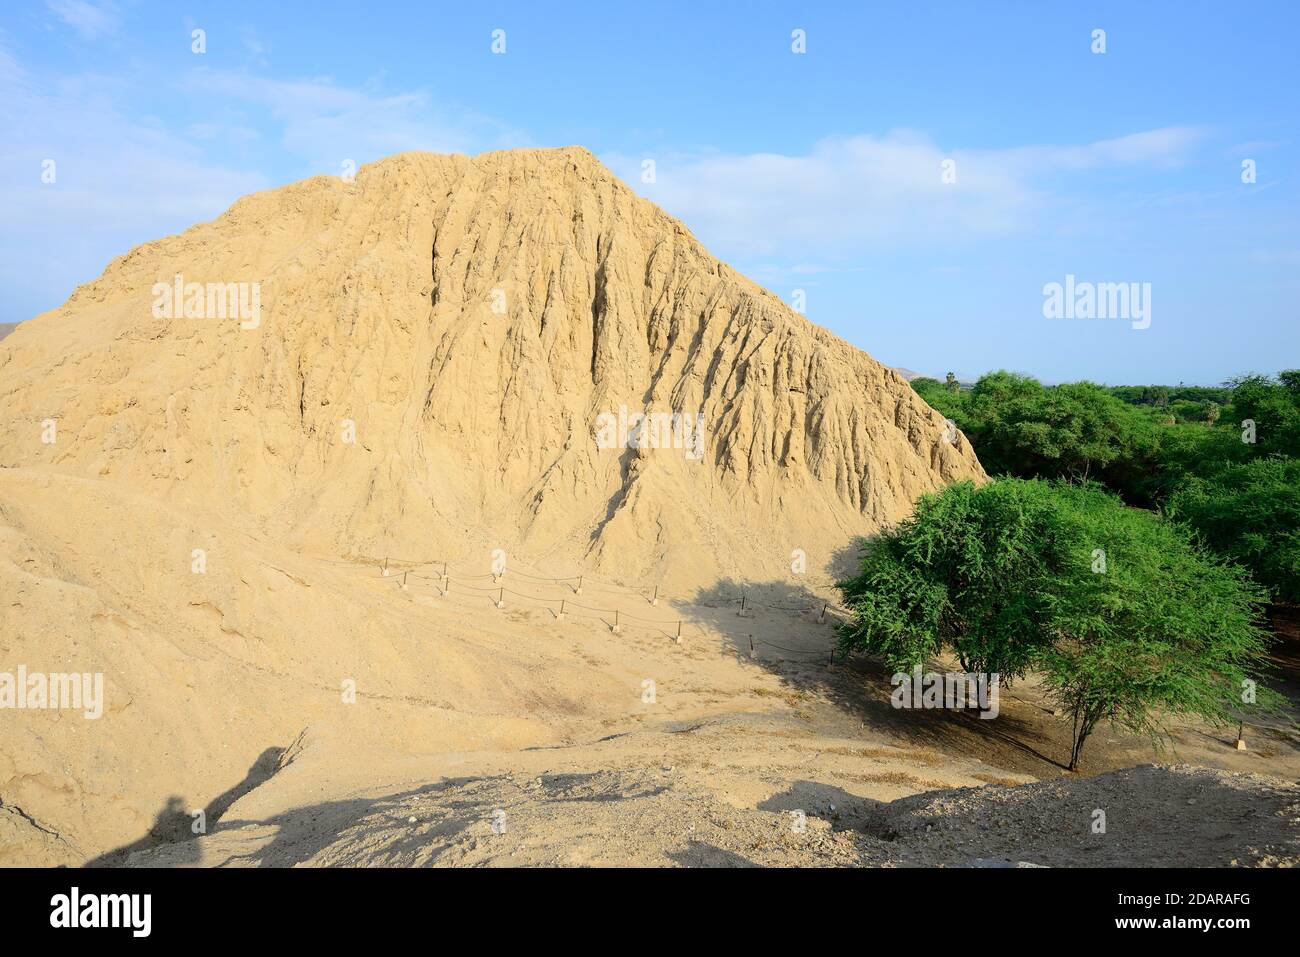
(469, 716)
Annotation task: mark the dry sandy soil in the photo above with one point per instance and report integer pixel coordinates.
(776, 759)
(469, 716)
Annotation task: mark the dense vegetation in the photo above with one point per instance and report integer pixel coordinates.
(1125, 552)
(1126, 616)
(1224, 461)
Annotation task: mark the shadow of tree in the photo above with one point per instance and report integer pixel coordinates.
(700, 854)
(839, 808)
(795, 642)
(1153, 816)
(302, 832)
(447, 808)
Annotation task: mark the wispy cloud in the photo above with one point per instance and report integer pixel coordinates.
(90, 20)
(863, 190)
(326, 123)
(122, 177)
(1162, 148)
(117, 180)
(112, 171)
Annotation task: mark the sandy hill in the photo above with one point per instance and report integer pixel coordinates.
(473, 318)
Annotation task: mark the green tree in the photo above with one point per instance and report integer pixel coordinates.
(1076, 431)
(1124, 614)
(1249, 511)
(1274, 408)
(952, 405)
(996, 389)
(1020, 427)
(1157, 395)
(1148, 443)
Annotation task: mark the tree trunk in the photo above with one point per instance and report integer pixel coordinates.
(1082, 728)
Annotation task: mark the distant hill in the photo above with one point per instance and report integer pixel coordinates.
(6, 328)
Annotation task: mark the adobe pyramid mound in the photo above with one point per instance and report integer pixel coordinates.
(437, 348)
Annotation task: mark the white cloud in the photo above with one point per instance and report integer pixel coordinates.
(123, 178)
(1161, 148)
(113, 172)
(1277, 257)
(125, 174)
(325, 123)
(88, 19)
(862, 190)
(119, 181)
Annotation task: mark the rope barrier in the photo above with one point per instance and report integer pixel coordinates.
(519, 594)
(447, 579)
(450, 571)
(606, 611)
(566, 603)
(747, 601)
(539, 578)
(791, 651)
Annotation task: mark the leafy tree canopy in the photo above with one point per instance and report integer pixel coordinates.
(1251, 512)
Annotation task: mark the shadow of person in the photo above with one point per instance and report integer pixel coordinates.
(175, 825)
(172, 824)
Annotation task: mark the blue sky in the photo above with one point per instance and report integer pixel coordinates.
(818, 171)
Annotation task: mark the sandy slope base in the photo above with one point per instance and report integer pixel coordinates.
(486, 735)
